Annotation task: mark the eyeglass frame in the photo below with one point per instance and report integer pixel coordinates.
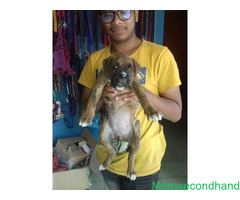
(114, 14)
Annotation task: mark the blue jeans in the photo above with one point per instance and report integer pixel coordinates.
(118, 182)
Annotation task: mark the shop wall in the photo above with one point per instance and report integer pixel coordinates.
(59, 128)
(175, 38)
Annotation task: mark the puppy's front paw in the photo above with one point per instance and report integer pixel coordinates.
(85, 120)
(155, 117)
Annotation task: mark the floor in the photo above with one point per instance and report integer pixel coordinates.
(174, 163)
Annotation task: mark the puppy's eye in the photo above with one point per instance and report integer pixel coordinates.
(130, 68)
(114, 66)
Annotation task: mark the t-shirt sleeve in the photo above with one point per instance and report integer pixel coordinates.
(168, 73)
(87, 77)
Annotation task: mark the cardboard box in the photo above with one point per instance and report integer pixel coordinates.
(86, 135)
(68, 148)
(74, 179)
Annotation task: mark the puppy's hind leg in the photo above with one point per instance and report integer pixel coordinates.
(134, 146)
(104, 137)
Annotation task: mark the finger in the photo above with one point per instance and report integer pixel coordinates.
(125, 95)
(106, 101)
(109, 94)
(130, 98)
(124, 91)
(122, 96)
(109, 88)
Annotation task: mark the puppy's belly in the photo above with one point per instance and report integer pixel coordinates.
(120, 124)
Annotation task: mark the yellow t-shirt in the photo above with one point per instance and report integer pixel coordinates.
(158, 73)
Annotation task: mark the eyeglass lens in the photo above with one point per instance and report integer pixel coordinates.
(122, 14)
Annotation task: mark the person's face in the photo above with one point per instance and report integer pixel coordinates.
(120, 30)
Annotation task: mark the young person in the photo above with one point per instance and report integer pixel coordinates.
(160, 81)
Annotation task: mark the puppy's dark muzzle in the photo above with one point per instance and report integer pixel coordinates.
(120, 78)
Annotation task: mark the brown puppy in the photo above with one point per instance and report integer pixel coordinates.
(118, 119)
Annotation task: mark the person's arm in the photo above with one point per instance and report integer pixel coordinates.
(169, 102)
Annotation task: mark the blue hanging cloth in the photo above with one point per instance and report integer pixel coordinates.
(68, 107)
(90, 33)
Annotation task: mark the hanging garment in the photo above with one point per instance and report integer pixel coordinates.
(61, 54)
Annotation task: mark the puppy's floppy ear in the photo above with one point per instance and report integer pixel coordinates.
(106, 64)
(136, 66)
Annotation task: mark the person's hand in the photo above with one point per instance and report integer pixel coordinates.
(125, 95)
(108, 92)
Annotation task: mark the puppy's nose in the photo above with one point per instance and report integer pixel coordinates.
(123, 74)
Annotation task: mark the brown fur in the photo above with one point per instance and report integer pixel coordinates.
(118, 107)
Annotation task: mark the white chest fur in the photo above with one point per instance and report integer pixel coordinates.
(120, 124)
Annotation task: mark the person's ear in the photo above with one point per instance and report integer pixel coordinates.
(136, 14)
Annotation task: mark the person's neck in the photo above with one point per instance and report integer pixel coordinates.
(129, 46)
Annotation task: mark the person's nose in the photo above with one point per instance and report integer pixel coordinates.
(116, 19)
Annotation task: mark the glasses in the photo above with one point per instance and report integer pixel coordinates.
(108, 17)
